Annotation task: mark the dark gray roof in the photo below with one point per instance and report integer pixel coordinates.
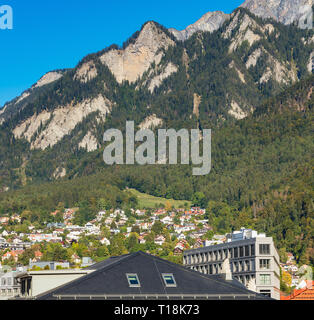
(106, 262)
(109, 281)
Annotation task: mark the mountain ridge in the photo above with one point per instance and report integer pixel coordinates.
(211, 79)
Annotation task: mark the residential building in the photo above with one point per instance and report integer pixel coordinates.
(40, 237)
(9, 286)
(305, 292)
(86, 262)
(12, 254)
(253, 258)
(160, 240)
(105, 241)
(33, 283)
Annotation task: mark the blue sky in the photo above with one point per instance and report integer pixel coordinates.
(57, 34)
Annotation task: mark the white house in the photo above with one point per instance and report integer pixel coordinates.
(105, 241)
(160, 240)
(101, 215)
(167, 220)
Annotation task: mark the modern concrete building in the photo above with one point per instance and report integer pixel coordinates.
(254, 261)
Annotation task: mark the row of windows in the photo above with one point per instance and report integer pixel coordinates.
(214, 268)
(5, 281)
(231, 253)
(134, 281)
(243, 266)
(244, 279)
(9, 292)
(237, 266)
(264, 279)
(237, 252)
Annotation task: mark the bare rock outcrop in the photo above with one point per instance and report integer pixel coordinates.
(130, 64)
(284, 11)
(86, 72)
(89, 142)
(151, 122)
(159, 78)
(42, 133)
(48, 78)
(209, 22)
(236, 111)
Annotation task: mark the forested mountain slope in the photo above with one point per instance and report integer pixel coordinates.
(211, 80)
(261, 177)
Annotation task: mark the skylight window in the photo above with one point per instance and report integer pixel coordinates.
(133, 280)
(169, 280)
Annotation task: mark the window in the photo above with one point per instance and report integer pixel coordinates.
(169, 280)
(235, 252)
(133, 280)
(247, 251)
(265, 279)
(252, 249)
(264, 249)
(253, 265)
(266, 293)
(241, 252)
(264, 263)
(216, 255)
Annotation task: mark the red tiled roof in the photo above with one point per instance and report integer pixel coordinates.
(306, 293)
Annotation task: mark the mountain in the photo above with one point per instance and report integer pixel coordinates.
(29, 95)
(210, 22)
(284, 11)
(213, 78)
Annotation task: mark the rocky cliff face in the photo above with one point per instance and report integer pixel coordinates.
(210, 22)
(130, 64)
(48, 128)
(27, 96)
(284, 11)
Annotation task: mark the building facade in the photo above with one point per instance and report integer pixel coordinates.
(253, 260)
(33, 283)
(9, 285)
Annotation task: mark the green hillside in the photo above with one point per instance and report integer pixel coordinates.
(149, 201)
